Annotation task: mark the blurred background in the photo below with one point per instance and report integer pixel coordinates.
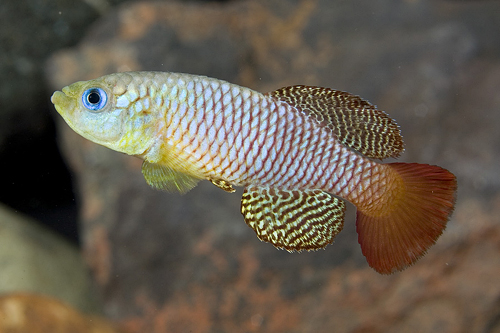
(86, 245)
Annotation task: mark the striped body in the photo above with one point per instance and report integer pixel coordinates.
(292, 149)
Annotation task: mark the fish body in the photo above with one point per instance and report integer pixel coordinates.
(292, 149)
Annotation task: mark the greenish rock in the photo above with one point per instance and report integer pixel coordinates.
(34, 259)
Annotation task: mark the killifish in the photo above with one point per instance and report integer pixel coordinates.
(299, 152)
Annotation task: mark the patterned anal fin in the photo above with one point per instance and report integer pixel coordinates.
(291, 219)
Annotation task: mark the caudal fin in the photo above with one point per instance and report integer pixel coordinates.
(396, 236)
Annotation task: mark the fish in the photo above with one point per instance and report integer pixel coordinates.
(300, 152)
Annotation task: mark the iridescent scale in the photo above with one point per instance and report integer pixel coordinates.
(232, 133)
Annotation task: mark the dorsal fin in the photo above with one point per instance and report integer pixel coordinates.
(354, 121)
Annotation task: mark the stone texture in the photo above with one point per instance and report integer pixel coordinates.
(22, 312)
(166, 262)
(35, 259)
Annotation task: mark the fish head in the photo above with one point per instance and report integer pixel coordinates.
(108, 111)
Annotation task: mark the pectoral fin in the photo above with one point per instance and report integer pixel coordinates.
(293, 220)
(164, 178)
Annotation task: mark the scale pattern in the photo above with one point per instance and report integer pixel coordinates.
(244, 137)
(215, 130)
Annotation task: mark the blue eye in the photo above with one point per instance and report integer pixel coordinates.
(94, 99)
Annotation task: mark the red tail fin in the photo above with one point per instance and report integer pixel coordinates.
(412, 221)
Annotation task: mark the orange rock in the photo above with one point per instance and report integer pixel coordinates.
(23, 312)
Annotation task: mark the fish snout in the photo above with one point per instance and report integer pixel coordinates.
(56, 97)
(61, 101)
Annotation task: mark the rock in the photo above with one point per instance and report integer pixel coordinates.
(22, 312)
(166, 262)
(36, 260)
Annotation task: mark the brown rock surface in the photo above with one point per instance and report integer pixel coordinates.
(166, 262)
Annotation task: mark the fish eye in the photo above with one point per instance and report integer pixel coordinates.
(94, 99)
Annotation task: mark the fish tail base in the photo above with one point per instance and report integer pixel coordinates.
(411, 219)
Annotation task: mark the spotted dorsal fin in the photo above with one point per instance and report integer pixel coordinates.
(293, 220)
(355, 122)
(165, 178)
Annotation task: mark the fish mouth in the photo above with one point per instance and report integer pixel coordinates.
(61, 101)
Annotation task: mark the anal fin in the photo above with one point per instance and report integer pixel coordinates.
(165, 178)
(292, 219)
